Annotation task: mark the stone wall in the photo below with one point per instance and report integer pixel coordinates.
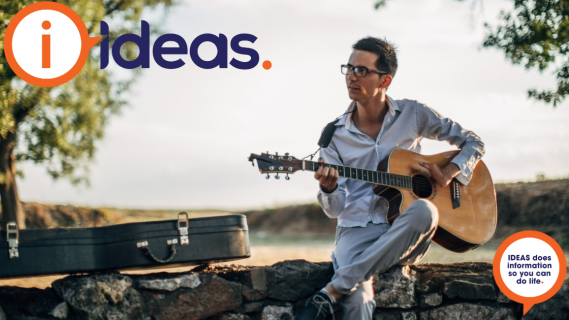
(421, 292)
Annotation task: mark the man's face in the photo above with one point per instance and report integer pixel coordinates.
(364, 89)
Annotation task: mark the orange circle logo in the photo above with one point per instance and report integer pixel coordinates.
(47, 44)
(529, 267)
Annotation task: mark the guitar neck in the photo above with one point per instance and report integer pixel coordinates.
(371, 176)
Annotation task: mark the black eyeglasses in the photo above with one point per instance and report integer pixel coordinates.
(359, 72)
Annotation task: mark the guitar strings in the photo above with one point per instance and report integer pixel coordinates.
(416, 185)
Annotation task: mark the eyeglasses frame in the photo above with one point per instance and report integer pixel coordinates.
(364, 67)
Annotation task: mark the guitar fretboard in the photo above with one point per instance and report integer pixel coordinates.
(371, 176)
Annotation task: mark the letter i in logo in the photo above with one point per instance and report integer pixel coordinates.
(46, 46)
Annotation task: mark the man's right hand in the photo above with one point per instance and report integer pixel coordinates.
(328, 177)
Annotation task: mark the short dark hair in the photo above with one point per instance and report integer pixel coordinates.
(386, 57)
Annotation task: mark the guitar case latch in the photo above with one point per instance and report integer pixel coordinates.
(183, 225)
(12, 235)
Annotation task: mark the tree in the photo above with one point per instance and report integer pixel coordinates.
(59, 126)
(535, 33)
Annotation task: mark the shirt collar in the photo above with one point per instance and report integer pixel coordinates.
(346, 119)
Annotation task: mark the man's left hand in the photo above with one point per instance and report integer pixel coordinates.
(443, 176)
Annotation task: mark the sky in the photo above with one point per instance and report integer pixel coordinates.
(184, 139)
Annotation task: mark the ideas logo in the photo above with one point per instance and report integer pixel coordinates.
(46, 44)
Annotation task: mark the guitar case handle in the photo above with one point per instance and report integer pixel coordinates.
(144, 246)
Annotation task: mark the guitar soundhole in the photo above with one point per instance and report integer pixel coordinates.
(422, 187)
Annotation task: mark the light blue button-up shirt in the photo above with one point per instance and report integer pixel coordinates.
(406, 123)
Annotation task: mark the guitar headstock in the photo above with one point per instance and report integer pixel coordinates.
(276, 163)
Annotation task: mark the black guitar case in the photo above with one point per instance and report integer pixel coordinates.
(159, 244)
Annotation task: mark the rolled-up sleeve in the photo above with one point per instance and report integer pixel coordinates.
(434, 126)
(332, 203)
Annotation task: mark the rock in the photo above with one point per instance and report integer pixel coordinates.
(61, 311)
(431, 300)
(104, 296)
(233, 293)
(257, 279)
(502, 298)
(253, 280)
(380, 314)
(409, 316)
(433, 276)
(17, 303)
(213, 296)
(295, 279)
(468, 311)
(556, 308)
(395, 288)
(470, 290)
(172, 284)
(253, 307)
(255, 285)
(277, 313)
(230, 316)
(252, 294)
(158, 296)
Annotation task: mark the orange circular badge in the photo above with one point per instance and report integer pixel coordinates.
(46, 44)
(529, 268)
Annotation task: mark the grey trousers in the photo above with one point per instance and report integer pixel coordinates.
(360, 253)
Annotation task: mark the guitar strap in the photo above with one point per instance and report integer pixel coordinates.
(329, 130)
(327, 134)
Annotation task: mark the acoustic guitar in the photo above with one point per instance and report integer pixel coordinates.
(467, 213)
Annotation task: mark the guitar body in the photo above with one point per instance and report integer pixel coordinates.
(460, 229)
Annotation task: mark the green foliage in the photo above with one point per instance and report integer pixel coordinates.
(537, 35)
(379, 4)
(59, 126)
(565, 243)
(542, 177)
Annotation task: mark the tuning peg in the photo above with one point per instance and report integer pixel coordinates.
(267, 177)
(287, 177)
(277, 176)
(276, 153)
(286, 154)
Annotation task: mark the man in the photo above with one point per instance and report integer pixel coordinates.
(371, 129)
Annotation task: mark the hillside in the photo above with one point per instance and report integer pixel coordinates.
(543, 203)
(542, 206)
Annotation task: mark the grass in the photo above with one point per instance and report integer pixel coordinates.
(321, 247)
